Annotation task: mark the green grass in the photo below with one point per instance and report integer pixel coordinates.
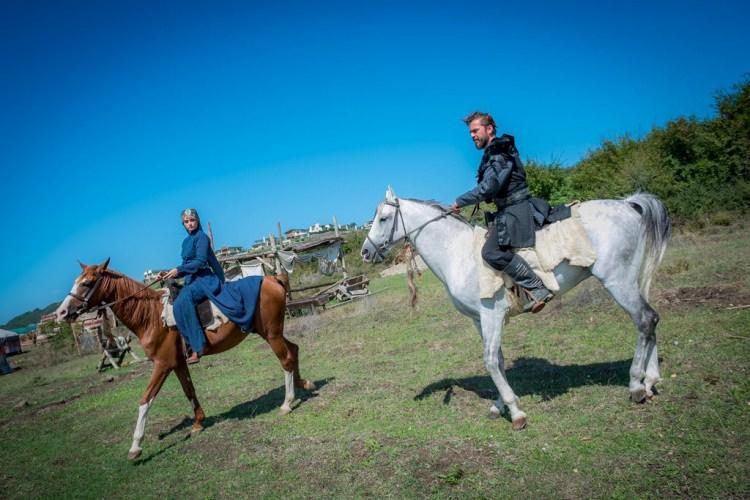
(403, 400)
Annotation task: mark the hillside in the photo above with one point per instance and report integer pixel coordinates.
(29, 317)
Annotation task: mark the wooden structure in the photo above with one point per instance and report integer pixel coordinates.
(343, 290)
(269, 260)
(114, 349)
(352, 288)
(309, 305)
(97, 333)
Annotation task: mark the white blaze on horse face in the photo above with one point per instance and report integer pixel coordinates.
(62, 310)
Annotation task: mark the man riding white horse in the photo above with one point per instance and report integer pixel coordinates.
(501, 179)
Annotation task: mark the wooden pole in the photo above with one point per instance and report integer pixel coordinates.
(276, 263)
(211, 235)
(75, 337)
(341, 252)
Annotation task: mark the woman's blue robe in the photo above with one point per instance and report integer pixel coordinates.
(204, 278)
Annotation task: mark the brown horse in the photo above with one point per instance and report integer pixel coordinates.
(139, 309)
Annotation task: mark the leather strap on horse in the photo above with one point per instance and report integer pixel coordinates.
(380, 250)
(408, 253)
(103, 306)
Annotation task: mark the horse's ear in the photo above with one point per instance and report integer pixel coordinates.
(83, 266)
(103, 265)
(389, 194)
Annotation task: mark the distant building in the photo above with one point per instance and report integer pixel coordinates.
(295, 233)
(315, 228)
(48, 317)
(149, 276)
(259, 244)
(227, 251)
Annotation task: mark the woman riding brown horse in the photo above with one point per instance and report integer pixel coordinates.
(139, 309)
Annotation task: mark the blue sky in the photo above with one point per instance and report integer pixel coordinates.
(116, 115)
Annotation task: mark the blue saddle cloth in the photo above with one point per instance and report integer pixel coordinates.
(238, 300)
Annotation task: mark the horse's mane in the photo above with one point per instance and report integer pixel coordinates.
(128, 285)
(141, 304)
(441, 207)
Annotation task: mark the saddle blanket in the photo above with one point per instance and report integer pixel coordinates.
(218, 318)
(563, 240)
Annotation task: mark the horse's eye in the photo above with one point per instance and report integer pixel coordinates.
(383, 219)
(87, 283)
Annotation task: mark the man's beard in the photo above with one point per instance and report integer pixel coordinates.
(482, 143)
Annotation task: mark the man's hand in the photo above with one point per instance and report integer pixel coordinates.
(455, 209)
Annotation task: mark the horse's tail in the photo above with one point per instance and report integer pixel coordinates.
(283, 279)
(657, 229)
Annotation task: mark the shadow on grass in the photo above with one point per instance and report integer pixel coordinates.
(536, 376)
(142, 461)
(270, 401)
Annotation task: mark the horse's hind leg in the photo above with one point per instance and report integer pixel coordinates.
(278, 344)
(645, 366)
(299, 382)
(183, 374)
(158, 376)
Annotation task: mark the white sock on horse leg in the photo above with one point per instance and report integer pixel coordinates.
(140, 426)
(289, 397)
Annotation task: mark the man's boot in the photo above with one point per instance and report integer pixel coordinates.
(524, 277)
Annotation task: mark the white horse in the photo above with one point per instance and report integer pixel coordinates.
(629, 237)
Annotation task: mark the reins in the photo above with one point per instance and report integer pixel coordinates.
(85, 300)
(380, 249)
(410, 251)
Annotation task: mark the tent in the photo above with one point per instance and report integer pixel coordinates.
(11, 341)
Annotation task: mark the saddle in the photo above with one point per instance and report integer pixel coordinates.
(209, 315)
(562, 240)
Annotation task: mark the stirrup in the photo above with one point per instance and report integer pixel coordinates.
(533, 304)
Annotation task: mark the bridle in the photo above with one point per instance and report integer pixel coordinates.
(87, 307)
(381, 249)
(85, 299)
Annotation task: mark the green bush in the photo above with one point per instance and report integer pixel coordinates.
(697, 167)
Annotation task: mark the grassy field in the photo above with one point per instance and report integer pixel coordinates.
(403, 401)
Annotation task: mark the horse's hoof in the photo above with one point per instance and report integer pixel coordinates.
(132, 455)
(309, 385)
(196, 429)
(285, 410)
(638, 396)
(519, 423)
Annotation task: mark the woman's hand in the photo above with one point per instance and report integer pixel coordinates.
(166, 275)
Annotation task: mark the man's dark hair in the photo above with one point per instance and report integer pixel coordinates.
(484, 119)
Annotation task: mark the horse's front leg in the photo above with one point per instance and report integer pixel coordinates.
(183, 375)
(492, 314)
(158, 376)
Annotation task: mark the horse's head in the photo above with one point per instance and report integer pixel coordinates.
(387, 229)
(85, 292)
